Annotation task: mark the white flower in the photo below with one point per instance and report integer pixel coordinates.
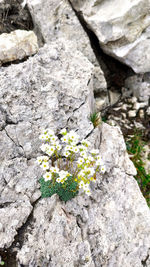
(44, 147)
(58, 147)
(63, 131)
(66, 154)
(75, 149)
(80, 160)
(51, 149)
(81, 184)
(73, 137)
(39, 160)
(53, 139)
(50, 132)
(63, 174)
(91, 159)
(47, 176)
(42, 137)
(88, 192)
(54, 169)
(94, 151)
(83, 154)
(64, 139)
(58, 180)
(45, 165)
(103, 169)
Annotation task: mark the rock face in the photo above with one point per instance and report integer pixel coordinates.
(102, 230)
(17, 45)
(54, 19)
(123, 30)
(52, 89)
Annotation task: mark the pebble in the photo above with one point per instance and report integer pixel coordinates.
(141, 114)
(132, 100)
(138, 105)
(132, 113)
(148, 111)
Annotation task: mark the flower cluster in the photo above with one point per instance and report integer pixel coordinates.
(67, 157)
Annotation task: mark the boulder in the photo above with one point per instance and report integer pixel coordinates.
(17, 45)
(109, 228)
(52, 89)
(123, 30)
(55, 19)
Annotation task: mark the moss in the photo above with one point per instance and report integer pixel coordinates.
(65, 191)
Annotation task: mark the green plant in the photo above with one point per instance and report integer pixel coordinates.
(68, 164)
(95, 118)
(2, 263)
(135, 146)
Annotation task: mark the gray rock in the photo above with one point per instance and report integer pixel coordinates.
(14, 213)
(54, 19)
(123, 30)
(110, 228)
(140, 86)
(17, 45)
(52, 89)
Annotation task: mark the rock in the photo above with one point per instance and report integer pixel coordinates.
(54, 19)
(17, 45)
(148, 111)
(132, 100)
(141, 114)
(52, 89)
(110, 228)
(123, 30)
(138, 105)
(101, 102)
(132, 113)
(14, 213)
(114, 96)
(140, 86)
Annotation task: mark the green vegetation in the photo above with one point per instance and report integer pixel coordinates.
(95, 118)
(135, 146)
(65, 191)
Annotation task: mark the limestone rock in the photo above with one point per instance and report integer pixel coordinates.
(17, 45)
(123, 30)
(140, 86)
(54, 19)
(110, 228)
(14, 214)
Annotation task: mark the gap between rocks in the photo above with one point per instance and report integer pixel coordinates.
(115, 72)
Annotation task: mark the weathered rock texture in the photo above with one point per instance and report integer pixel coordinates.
(110, 228)
(17, 45)
(54, 19)
(123, 30)
(52, 89)
(140, 86)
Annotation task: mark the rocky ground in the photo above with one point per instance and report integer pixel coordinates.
(63, 76)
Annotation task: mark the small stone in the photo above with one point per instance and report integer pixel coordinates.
(148, 111)
(17, 45)
(132, 113)
(141, 114)
(138, 105)
(132, 100)
(124, 115)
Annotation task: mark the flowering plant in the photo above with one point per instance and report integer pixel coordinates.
(68, 164)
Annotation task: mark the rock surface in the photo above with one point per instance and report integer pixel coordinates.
(110, 228)
(54, 19)
(17, 45)
(123, 30)
(52, 89)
